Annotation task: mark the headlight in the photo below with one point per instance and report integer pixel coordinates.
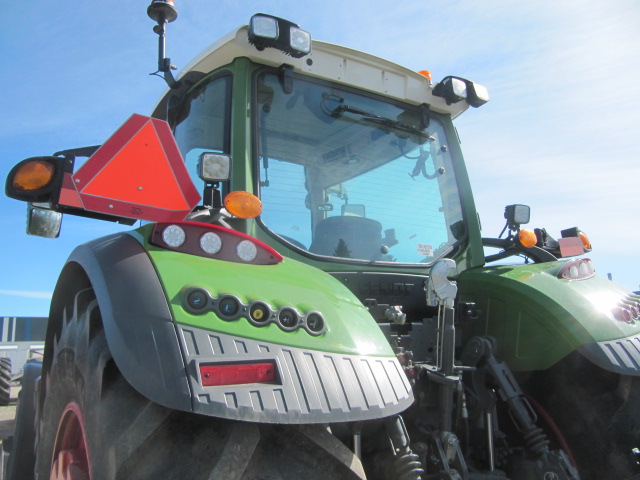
(264, 27)
(266, 31)
(455, 89)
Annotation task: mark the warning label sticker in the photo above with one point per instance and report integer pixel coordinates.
(425, 250)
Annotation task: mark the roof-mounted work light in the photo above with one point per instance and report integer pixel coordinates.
(267, 31)
(455, 89)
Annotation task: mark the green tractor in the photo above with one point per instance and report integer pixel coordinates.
(309, 295)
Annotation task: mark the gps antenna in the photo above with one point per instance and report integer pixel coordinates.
(163, 12)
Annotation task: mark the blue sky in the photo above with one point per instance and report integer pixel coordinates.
(559, 134)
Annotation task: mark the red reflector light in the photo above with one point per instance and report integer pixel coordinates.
(237, 373)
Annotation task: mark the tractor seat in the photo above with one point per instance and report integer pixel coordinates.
(348, 237)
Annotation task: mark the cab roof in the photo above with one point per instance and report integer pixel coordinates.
(326, 61)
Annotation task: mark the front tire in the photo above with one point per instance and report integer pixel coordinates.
(95, 426)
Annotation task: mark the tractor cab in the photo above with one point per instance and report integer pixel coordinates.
(354, 159)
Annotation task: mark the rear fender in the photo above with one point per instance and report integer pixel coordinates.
(539, 318)
(136, 318)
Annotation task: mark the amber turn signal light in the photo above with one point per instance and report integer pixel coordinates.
(527, 238)
(33, 175)
(586, 243)
(243, 204)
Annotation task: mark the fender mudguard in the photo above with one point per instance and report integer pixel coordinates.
(539, 318)
(137, 321)
(160, 358)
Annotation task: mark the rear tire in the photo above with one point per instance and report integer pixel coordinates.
(5, 381)
(22, 457)
(111, 432)
(598, 413)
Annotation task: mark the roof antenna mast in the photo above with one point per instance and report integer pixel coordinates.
(163, 12)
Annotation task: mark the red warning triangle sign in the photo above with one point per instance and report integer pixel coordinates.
(138, 173)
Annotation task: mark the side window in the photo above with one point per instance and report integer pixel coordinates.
(204, 122)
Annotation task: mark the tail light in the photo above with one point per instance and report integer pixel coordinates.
(213, 375)
(580, 269)
(212, 241)
(628, 309)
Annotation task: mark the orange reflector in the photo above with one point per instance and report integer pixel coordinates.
(243, 204)
(527, 238)
(33, 175)
(237, 374)
(426, 73)
(585, 240)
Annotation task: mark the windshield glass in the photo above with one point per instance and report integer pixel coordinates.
(345, 174)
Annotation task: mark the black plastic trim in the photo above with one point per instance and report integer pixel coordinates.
(137, 321)
(619, 356)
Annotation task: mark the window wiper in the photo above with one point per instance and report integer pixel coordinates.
(396, 125)
(372, 117)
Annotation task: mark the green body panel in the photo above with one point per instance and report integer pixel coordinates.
(350, 327)
(538, 318)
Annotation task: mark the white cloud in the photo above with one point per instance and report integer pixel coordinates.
(28, 294)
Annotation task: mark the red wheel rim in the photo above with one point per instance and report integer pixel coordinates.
(71, 454)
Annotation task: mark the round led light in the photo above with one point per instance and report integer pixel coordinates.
(288, 318)
(210, 243)
(247, 250)
(197, 299)
(228, 306)
(573, 272)
(315, 322)
(259, 313)
(583, 269)
(173, 236)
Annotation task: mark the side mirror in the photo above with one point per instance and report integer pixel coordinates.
(517, 215)
(42, 221)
